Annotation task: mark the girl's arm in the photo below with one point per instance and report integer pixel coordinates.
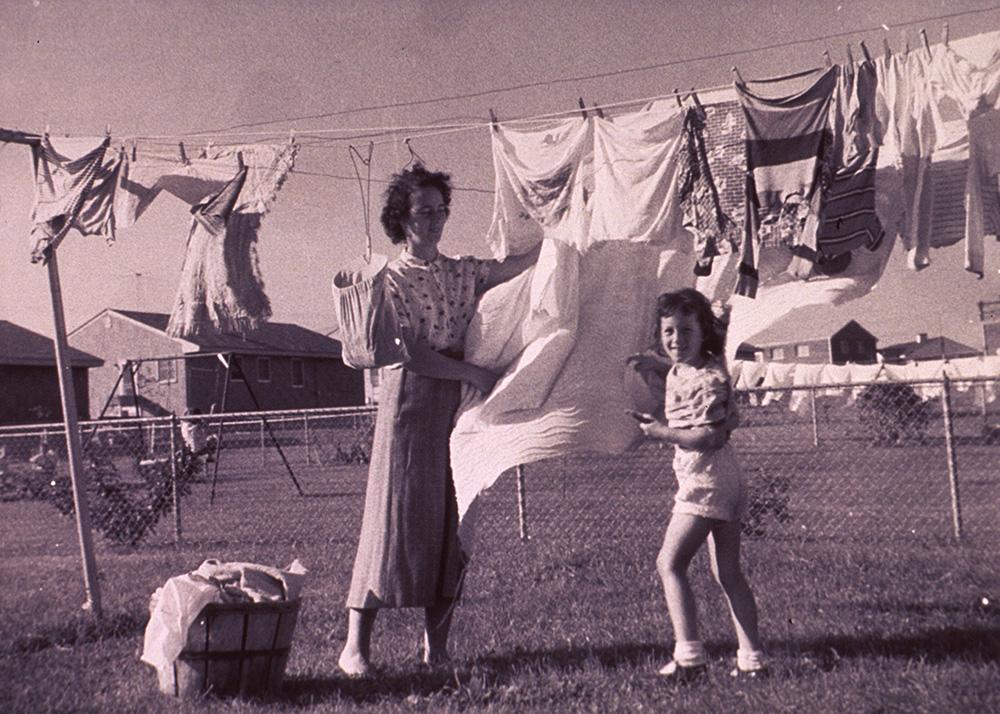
(429, 363)
(698, 438)
(512, 266)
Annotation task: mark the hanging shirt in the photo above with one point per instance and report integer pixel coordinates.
(436, 299)
(787, 146)
(714, 232)
(72, 192)
(849, 220)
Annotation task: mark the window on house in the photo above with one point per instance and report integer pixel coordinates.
(263, 369)
(298, 373)
(166, 370)
(801, 350)
(778, 353)
(845, 346)
(861, 347)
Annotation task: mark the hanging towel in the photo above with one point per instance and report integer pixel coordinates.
(637, 157)
(72, 192)
(788, 147)
(370, 333)
(194, 179)
(221, 288)
(539, 185)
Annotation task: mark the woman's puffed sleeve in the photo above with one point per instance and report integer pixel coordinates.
(481, 269)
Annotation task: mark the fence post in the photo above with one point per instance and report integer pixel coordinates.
(262, 452)
(815, 418)
(949, 442)
(173, 479)
(522, 506)
(305, 428)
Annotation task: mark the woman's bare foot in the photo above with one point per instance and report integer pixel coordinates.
(353, 664)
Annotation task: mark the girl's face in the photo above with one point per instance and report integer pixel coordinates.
(681, 338)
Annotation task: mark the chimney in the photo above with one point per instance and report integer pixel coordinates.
(921, 338)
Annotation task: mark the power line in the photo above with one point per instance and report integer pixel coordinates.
(582, 78)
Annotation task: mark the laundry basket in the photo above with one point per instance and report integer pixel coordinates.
(234, 649)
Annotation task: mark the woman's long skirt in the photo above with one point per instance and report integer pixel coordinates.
(408, 553)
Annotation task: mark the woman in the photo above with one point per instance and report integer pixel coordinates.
(408, 552)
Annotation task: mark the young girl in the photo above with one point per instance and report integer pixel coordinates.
(710, 497)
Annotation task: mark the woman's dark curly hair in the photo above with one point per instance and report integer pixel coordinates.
(397, 197)
(689, 301)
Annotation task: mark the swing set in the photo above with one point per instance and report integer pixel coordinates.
(232, 372)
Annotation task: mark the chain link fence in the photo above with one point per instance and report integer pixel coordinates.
(915, 461)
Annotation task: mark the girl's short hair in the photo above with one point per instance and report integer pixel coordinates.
(397, 197)
(689, 301)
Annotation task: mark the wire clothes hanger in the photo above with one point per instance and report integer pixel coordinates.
(366, 191)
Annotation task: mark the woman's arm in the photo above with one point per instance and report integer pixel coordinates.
(429, 363)
(512, 266)
(699, 438)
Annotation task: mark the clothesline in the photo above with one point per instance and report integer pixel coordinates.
(614, 73)
(439, 129)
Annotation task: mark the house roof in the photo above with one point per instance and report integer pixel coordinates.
(930, 348)
(21, 346)
(809, 326)
(272, 338)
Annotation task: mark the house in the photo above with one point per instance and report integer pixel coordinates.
(851, 343)
(989, 316)
(29, 378)
(372, 377)
(283, 366)
(925, 348)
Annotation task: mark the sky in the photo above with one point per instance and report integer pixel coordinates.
(242, 72)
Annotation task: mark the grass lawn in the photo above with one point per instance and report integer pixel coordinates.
(866, 602)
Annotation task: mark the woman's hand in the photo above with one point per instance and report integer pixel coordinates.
(482, 379)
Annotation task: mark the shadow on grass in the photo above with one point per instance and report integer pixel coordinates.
(489, 671)
(969, 644)
(119, 625)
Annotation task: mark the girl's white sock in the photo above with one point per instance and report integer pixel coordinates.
(690, 653)
(749, 660)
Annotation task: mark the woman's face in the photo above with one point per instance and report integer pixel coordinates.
(425, 223)
(681, 338)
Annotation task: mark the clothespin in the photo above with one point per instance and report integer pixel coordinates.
(494, 122)
(944, 35)
(736, 73)
(885, 46)
(906, 44)
(865, 52)
(184, 158)
(583, 108)
(133, 150)
(107, 130)
(46, 130)
(600, 112)
(239, 160)
(677, 96)
(927, 45)
(826, 58)
(291, 137)
(850, 56)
